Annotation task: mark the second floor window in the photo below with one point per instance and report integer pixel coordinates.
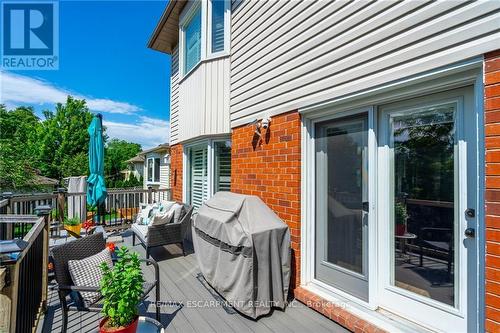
(217, 33)
(192, 38)
(154, 170)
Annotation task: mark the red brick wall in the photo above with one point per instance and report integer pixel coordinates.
(492, 195)
(176, 154)
(269, 167)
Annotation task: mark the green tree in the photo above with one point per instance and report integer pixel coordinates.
(64, 140)
(18, 152)
(115, 156)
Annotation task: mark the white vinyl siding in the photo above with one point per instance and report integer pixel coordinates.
(174, 98)
(288, 55)
(204, 101)
(164, 173)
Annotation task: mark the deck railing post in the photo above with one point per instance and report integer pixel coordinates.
(9, 227)
(150, 194)
(61, 204)
(44, 212)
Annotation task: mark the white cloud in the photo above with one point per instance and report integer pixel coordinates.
(22, 90)
(149, 132)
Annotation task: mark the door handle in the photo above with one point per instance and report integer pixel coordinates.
(470, 233)
(365, 206)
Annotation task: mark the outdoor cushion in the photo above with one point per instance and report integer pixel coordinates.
(179, 212)
(165, 205)
(87, 273)
(163, 218)
(140, 230)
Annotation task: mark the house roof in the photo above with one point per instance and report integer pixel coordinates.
(136, 159)
(160, 148)
(166, 34)
(139, 158)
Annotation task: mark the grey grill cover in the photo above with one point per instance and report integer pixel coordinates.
(243, 250)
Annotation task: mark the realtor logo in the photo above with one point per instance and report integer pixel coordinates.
(30, 35)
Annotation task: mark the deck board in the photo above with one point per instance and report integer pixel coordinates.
(181, 283)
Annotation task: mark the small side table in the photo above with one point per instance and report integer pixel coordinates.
(402, 241)
(149, 325)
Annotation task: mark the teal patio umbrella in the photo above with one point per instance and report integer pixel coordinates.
(96, 189)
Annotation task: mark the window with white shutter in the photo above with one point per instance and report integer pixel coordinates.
(218, 22)
(222, 166)
(198, 187)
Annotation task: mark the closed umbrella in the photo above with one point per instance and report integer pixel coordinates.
(96, 189)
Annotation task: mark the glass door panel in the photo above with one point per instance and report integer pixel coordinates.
(342, 203)
(423, 143)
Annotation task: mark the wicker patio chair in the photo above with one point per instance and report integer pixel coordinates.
(80, 249)
(164, 234)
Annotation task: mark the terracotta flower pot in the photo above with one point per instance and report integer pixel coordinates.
(400, 229)
(131, 328)
(76, 229)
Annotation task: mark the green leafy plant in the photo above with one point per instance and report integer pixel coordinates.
(400, 212)
(72, 221)
(121, 288)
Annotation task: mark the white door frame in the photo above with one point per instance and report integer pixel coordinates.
(453, 76)
(397, 299)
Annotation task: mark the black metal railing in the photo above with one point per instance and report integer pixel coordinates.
(118, 211)
(26, 262)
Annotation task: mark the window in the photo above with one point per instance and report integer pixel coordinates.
(150, 170)
(204, 32)
(208, 167)
(192, 41)
(217, 28)
(153, 169)
(222, 166)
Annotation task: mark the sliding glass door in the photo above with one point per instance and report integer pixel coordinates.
(342, 203)
(428, 202)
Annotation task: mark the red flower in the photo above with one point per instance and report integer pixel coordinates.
(111, 247)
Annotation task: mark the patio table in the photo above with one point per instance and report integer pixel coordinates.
(149, 325)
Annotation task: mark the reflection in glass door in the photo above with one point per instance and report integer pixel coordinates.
(342, 203)
(423, 202)
(427, 181)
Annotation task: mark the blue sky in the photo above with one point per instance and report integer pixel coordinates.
(104, 58)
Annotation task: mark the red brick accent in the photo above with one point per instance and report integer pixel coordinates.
(335, 312)
(269, 166)
(492, 194)
(176, 154)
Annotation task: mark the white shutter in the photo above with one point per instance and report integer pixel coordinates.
(222, 167)
(217, 25)
(199, 178)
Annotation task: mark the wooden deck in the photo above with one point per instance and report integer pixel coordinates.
(193, 306)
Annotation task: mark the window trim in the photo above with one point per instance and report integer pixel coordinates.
(227, 30)
(185, 18)
(187, 14)
(210, 144)
(152, 181)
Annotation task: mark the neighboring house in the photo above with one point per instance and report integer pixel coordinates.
(44, 184)
(153, 165)
(370, 128)
(135, 168)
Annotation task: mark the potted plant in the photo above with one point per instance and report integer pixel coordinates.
(121, 288)
(401, 215)
(73, 225)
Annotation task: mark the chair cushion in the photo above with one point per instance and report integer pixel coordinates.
(87, 273)
(165, 205)
(179, 212)
(163, 218)
(140, 230)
